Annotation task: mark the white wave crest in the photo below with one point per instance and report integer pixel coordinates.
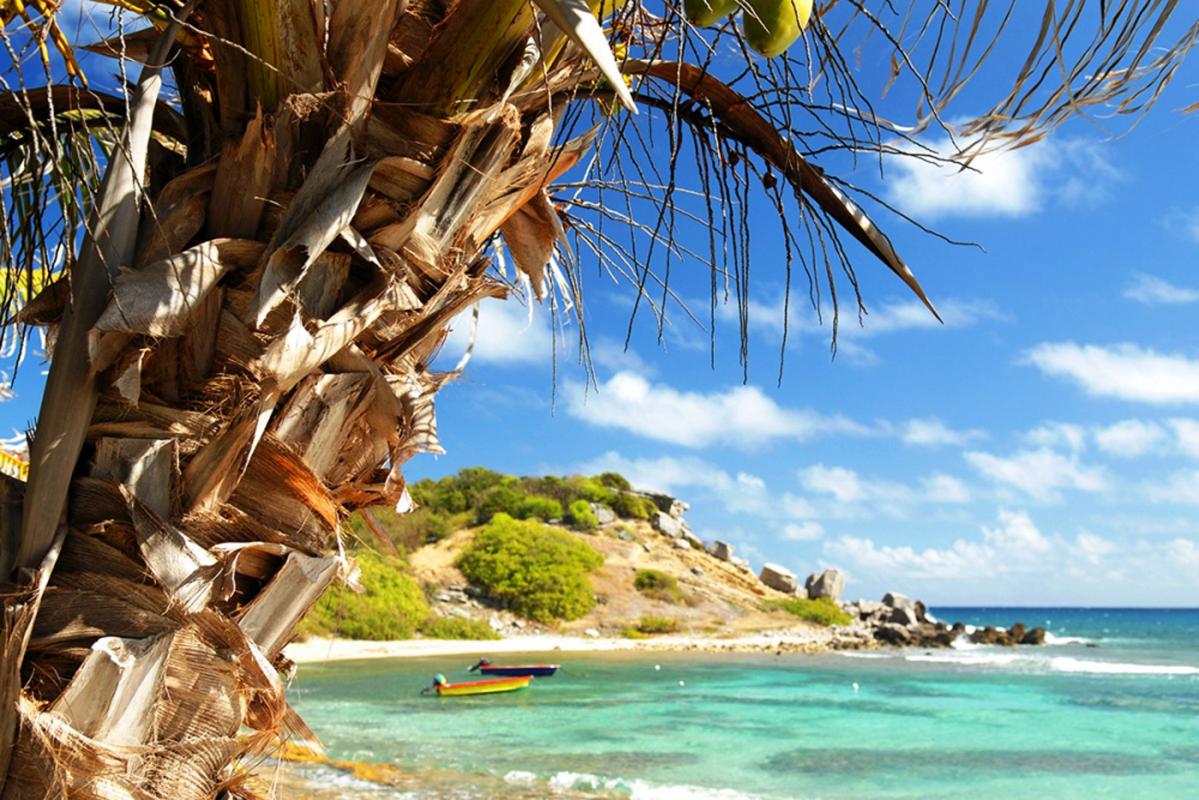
(1085, 665)
(642, 790)
(1052, 639)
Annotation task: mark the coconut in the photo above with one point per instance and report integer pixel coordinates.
(708, 12)
(771, 26)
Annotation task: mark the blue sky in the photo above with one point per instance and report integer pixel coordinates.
(1040, 447)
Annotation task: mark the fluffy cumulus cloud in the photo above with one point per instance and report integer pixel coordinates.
(1131, 437)
(1186, 432)
(1124, 371)
(849, 494)
(507, 335)
(808, 531)
(1153, 291)
(1002, 183)
(1041, 474)
(1014, 560)
(1058, 436)
(932, 432)
(743, 416)
(1180, 487)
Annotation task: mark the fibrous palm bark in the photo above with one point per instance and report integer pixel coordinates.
(243, 355)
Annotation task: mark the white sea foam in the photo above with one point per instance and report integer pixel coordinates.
(1086, 665)
(520, 777)
(967, 658)
(642, 790)
(1052, 639)
(979, 656)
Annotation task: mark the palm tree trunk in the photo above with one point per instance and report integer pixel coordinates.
(260, 371)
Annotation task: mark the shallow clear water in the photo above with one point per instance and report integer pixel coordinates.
(1065, 721)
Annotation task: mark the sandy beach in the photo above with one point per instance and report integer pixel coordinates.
(317, 650)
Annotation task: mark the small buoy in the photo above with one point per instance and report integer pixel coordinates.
(855, 687)
(682, 684)
(657, 667)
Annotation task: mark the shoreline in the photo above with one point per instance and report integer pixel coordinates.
(317, 650)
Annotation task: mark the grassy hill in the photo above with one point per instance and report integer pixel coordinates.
(485, 551)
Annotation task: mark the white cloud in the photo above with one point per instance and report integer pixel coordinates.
(612, 356)
(841, 483)
(1152, 291)
(1186, 432)
(742, 416)
(932, 432)
(1181, 487)
(1016, 535)
(852, 494)
(1125, 371)
(1056, 435)
(506, 335)
(962, 559)
(1040, 474)
(1093, 549)
(1003, 183)
(1130, 438)
(1185, 221)
(802, 532)
(663, 474)
(942, 488)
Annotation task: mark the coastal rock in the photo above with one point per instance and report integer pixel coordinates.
(829, 583)
(741, 564)
(779, 578)
(891, 633)
(625, 536)
(591, 633)
(682, 544)
(867, 610)
(904, 615)
(895, 600)
(697, 572)
(1016, 633)
(722, 550)
(603, 514)
(668, 525)
(696, 542)
(1036, 636)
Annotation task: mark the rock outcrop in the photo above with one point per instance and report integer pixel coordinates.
(668, 525)
(779, 578)
(603, 514)
(722, 550)
(829, 583)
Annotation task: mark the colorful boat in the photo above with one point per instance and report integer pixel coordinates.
(536, 670)
(489, 686)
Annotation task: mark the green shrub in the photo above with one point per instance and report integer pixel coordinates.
(392, 607)
(631, 632)
(582, 517)
(822, 610)
(540, 572)
(658, 585)
(650, 625)
(543, 508)
(614, 480)
(458, 628)
(630, 506)
(500, 500)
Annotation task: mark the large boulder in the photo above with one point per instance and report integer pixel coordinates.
(666, 504)
(830, 583)
(722, 550)
(904, 610)
(603, 514)
(668, 525)
(893, 634)
(779, 578)
(1036, 636)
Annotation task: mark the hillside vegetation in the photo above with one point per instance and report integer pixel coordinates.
(486, 551)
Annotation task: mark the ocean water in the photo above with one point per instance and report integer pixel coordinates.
(1109, 709)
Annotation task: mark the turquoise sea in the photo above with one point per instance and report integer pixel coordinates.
(1109, 709)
